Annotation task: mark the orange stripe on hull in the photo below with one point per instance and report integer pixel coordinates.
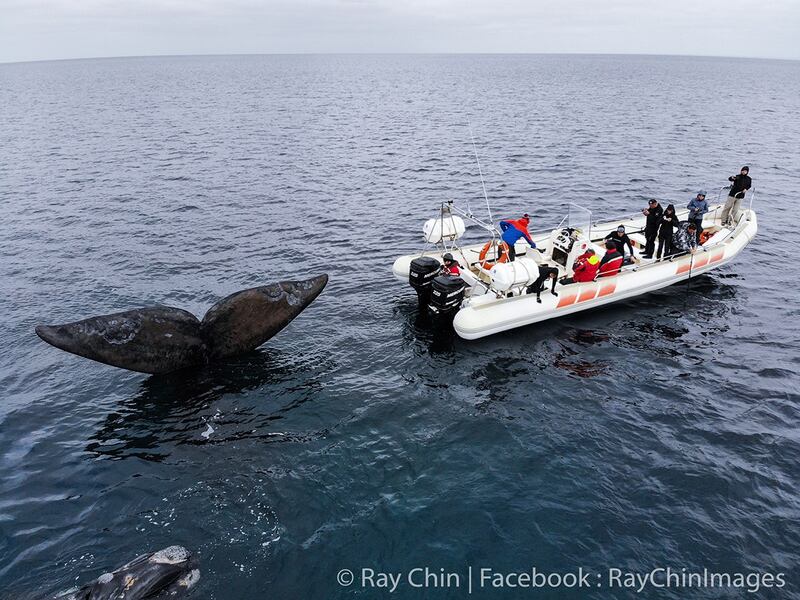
(701, 262)
(566, 300)
(607, 289)
(683, 269)
(718, 256)
(588, 294)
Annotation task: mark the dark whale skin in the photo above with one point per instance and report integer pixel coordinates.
(245, 320)
(148, 340)
(163, 574)
(163, 339)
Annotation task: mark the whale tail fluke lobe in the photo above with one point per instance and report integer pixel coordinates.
(164, 339)
(245, 320)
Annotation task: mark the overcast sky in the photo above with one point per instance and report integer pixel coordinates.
(53, 29)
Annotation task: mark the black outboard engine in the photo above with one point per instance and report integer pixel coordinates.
(446, 295)
(420, 276)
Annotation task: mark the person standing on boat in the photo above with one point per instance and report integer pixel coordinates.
(740, 184)
(611, 262)
(450, 267)
(620, 239)
(653, 212)
(512, 231)
(669, 221)
(697, 208)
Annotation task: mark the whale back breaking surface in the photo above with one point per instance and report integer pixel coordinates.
(164, 339)
(166, 573)
(245, 320)
(149, 340)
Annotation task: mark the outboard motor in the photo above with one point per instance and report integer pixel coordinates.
(421, 275)
(446, 296)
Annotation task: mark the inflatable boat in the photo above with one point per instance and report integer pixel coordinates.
(493, 293)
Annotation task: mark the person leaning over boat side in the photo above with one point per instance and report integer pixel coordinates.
(697, 208)
(584, 269)
(741, 183)
(669, 221)
(450, 267)
(611, 262)
(620, 239)
(512, 231)
(685, 238)
(653, 213)
(545, 272)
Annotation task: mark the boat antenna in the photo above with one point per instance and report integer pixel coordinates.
(480, 172)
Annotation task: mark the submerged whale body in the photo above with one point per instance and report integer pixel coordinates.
(163, 339)
(166, 573)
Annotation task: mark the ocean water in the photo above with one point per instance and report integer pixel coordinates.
(659, 432)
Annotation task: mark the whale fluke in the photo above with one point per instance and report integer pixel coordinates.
(245, 320)
(149, 340)
(164, 339)
(163, 574)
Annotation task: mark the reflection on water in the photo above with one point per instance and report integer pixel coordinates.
(171, 409)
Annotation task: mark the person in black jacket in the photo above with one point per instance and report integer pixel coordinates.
(653, 212)
(669, 221)
(620, 239)
(545, 272)
(740, 184)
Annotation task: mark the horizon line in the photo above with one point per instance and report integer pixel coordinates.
(233, 54)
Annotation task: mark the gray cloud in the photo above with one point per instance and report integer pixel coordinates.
(51, 29)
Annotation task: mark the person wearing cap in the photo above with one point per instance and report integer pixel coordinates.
(697, 208)
(611, 262)
(653, 213)
(513, 229)
(620, 239)
(740, 184)
(584, 269)
(451, 266)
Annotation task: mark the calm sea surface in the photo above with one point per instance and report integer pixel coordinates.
(659, 432)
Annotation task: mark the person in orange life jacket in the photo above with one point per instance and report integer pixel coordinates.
(653, 213)
(545, 272)
(611, 262)
(512, 231)
(584, 269)
(450, 267)
(620, 239)
(669, 221)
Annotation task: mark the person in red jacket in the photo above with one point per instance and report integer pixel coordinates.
(611, 262)
(584, 269)
(451, 267)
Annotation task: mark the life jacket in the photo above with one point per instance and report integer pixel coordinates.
(587, 269)
(611, 264)
(452, 270)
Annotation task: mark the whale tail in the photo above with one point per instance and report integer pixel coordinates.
(164, 339)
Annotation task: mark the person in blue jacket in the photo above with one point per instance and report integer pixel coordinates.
(697, 208)
(512, 231)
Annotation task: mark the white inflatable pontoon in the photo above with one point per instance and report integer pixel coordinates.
(494, 298)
